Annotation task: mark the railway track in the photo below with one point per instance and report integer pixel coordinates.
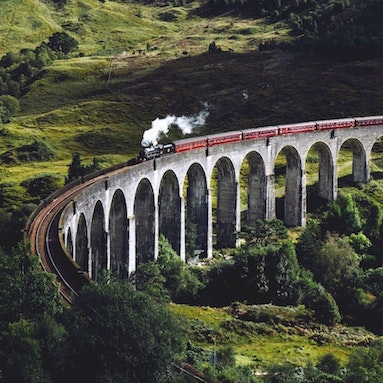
(42, 231)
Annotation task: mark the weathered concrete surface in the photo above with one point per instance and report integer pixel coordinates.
(116, 224)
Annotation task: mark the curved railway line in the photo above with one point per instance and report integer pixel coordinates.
(43, 232)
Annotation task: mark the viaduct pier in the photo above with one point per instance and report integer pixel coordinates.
(114, 220)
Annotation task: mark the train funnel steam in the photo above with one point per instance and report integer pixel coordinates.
(162, 125)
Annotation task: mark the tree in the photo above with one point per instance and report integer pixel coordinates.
(118, 334)
(27, 291)
(266, 273)
(43, 55)
(263, 232)
(366, 365)
(309, 242)
(315, 297)
(343, 216)
(329, 364)
(22, 358)
(9, 106)
(180, 282)
(9, 59)
(41, 186)
(61, 42)
(75, 169)
(338, 262)
(33, 351)
(149, 279)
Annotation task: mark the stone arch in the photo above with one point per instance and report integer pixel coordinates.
(145, 222)
(119, 236)
(196, 208)
(360, 172)
(98, 241)
(69, 242)
(255, 179)
(226, 204)
(376, 157)
(294, 198)
(82, 249)
(321, 155)
(169, 203)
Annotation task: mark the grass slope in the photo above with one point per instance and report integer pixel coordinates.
(78, 102)
(143, 62)
(138, 66)
(283, 334)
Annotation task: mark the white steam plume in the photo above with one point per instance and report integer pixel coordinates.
(162, 125)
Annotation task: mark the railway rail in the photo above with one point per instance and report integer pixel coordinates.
(42, 229)
(43, 232)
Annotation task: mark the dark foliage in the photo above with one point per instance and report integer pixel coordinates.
(347, 29)
(26, 291)
(62, 42)
(77, 170)
(40, 187)
(36, 151)
(119, 334)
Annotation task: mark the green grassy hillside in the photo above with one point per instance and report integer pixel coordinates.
(261, 343)
(135, 63)
(138, 62)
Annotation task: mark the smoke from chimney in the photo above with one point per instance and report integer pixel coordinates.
(162, 125)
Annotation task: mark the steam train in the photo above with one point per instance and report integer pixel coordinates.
(266, 132)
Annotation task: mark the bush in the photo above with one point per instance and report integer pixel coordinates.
(366, 365)
(343, 216)
(40, 187)
(61, 42)
(9, 106)
(121, 335)
(180, 281)
(316, 298)
(36, 151)
(11, 196)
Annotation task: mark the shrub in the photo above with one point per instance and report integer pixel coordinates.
(9, 106)
(343, 216)
(316, 298)
(36, 151)
(43, 185)
(61, 42)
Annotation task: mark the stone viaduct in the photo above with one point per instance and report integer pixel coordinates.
(115, 224)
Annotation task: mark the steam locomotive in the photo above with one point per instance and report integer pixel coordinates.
(266, 132)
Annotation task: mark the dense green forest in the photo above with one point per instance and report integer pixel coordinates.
(80, 81)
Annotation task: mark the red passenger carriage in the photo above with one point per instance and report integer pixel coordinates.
(335, 124)
(223, 138)
(190, 144)
(264, 132)
(368, 121)
(300, 127)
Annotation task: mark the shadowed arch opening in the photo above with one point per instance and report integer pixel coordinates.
(119, 237)
(170, 209)
(253, 189)
(226, 199)
(320, 184)
(145, 222)
(69, 242)
(289, 166)
(352, 163)
(196, 211)
(82, 249)
(376, 159)
(98, 241)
